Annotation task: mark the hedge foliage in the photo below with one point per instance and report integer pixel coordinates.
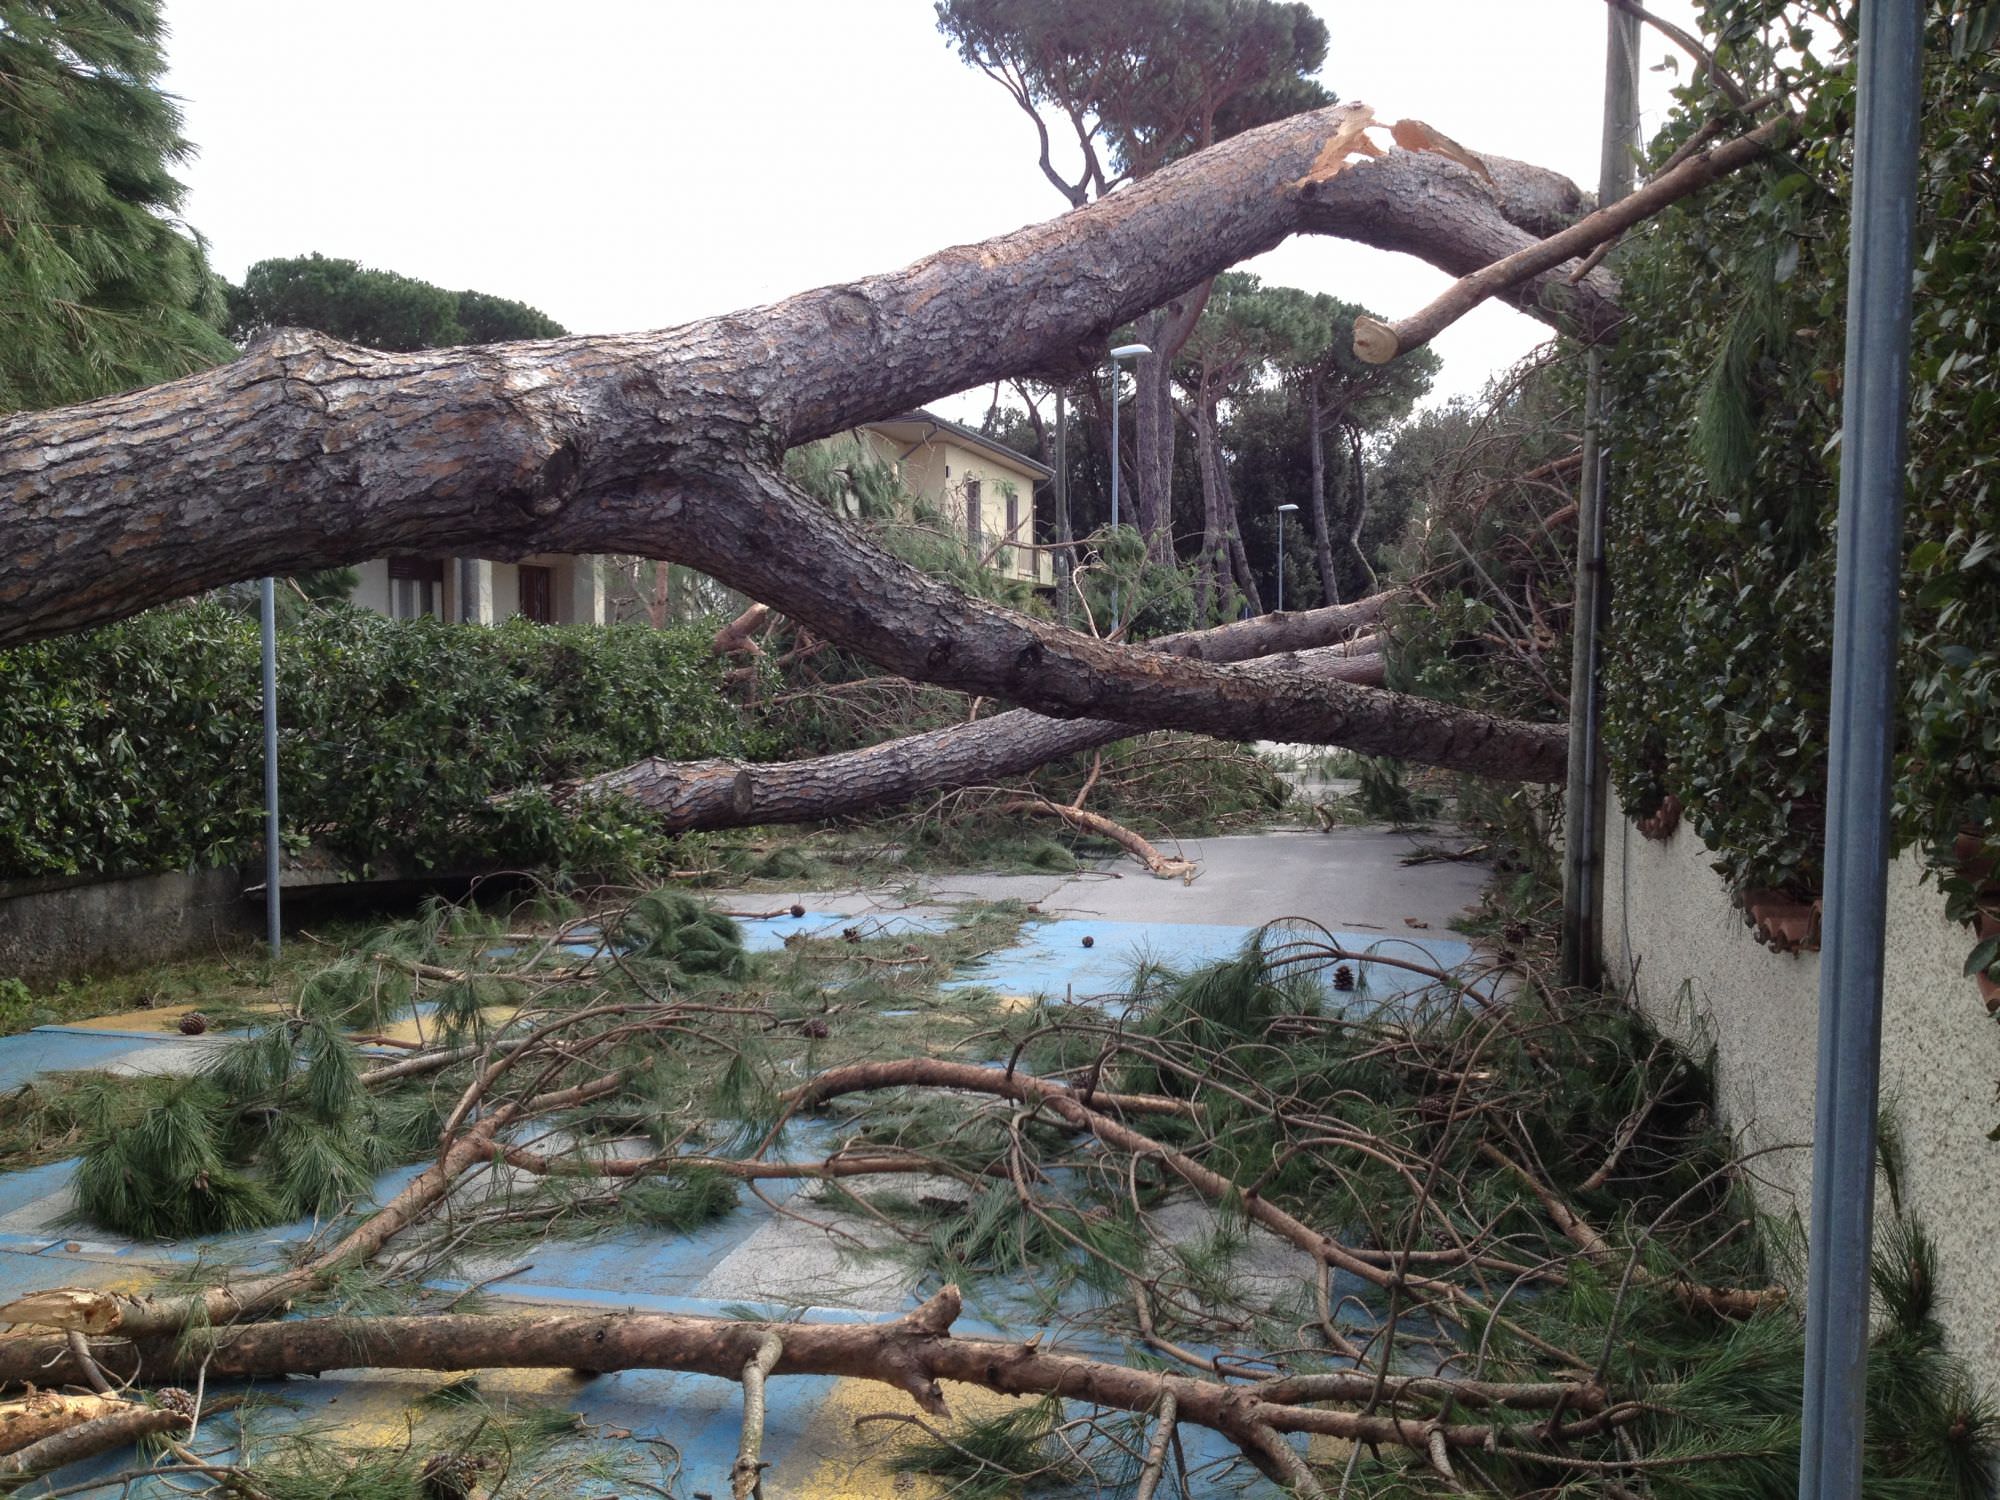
(139, 747)
(1726, 392)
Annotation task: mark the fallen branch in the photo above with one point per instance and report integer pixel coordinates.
(746, 1477)
(739, 634)
(87, 1438)
(712, 794)
(1728, 1302)
(1162, 866)
(915, 1353)
(1377, 343)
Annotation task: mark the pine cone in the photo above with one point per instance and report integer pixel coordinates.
(451, 1476)
(194, 1023)
(1343, 978)
(172, 1398)
(815, 1028)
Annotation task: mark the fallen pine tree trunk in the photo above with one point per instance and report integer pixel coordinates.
(707, 794)
(916, 1353)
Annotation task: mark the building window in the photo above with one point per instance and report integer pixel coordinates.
(974, 532)
(538, 594)
(1014, 554)
(416, 588)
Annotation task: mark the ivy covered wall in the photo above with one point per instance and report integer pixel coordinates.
(1726, 389)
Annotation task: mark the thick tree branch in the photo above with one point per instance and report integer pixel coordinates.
(1378, 342)
(730, 794)
(915, 1353)
(308, 453)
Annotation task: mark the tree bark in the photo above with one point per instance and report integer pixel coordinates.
(1246, 578)
(916, 1354)
(1329, 581)
(1166, 331)
(309, 453)
(1212, 566)
(1358, 512)
(730, 794)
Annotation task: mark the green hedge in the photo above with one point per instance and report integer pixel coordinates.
(139, 747)
(1726, 389)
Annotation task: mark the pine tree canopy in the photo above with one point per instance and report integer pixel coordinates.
(378, 309)
(102, 288)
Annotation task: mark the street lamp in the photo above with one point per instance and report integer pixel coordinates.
(1282, 512)
(1123, 351)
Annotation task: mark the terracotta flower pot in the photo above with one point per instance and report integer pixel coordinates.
(1663, 820)
(1978, 867)
(1783, 923)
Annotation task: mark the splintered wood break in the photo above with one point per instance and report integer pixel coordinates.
(1350, 140)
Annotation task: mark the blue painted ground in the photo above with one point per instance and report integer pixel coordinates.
(811, 1436)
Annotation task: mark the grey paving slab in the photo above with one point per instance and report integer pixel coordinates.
(1350, 878)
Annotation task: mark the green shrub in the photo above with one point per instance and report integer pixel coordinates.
(139, 747)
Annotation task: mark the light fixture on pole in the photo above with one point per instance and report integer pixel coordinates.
(1283, 511)
(1123, 351)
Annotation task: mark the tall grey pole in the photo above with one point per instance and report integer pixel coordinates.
(1281, 563)
(267, 611)
(1068, 553)
(1114, 476)
(1583, 802)
(1861, 729)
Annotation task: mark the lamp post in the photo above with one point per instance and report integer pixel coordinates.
(1283, 511)
(1123, 351)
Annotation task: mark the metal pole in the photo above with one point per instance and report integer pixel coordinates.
(1068, 553)
(1583, 803)
(267, 611)
(1114, 477)
(1281, 563)
(1869, 549)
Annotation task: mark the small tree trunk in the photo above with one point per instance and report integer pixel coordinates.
(1245, 579)
(1329, 580)
(1212, 564)
(1358, 513)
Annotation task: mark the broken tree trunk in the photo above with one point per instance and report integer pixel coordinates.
(310, 453)
(916, 1353)
(730, 794)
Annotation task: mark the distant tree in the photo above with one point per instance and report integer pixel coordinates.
(1342, 394)
(378, 309)
(1137, 84)
(101, 286)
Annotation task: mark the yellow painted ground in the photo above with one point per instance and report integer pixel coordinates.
(166, 1019)
(161, 1018)
(835, 1460)
(421, 1030)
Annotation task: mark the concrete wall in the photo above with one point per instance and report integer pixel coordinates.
(1701, 975)
(51, 930)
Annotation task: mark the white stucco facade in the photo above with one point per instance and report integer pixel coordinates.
(1673, 933)
(573, 587)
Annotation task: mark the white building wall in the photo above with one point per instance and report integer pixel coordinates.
(1673, 932)
(372, 592)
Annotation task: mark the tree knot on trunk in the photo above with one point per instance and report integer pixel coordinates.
(553, 484)
(940, 652)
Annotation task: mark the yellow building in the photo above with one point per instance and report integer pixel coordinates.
(551, 589)
(982, 485)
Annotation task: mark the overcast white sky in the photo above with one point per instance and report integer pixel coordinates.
(631, 164)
